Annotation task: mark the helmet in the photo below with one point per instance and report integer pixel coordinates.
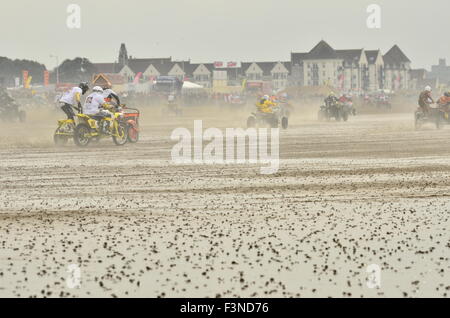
(428, 88)
(332, 94)
(266, 97)
(447, 94)
(97, 89)
(84, 87)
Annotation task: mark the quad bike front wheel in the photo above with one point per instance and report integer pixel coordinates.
(81, 135)
(418, 121)
(344, 116)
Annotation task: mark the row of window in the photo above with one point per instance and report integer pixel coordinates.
(259, 77)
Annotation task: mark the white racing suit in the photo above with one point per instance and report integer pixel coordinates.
(93, 107)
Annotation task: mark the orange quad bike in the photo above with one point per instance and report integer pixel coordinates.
(131, 118)
(443, 116)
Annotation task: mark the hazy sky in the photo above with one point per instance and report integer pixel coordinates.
(223, 30)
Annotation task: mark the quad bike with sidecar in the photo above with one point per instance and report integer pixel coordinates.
(434, 116)
(91, 127)
(276, 117)
(338, 111)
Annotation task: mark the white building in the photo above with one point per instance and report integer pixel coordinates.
(273, 74)
(355, 69)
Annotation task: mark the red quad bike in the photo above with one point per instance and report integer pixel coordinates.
(131, 117)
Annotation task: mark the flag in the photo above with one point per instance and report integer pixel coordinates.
(137, 78)
(24, 77)
(27, 83)
(46, 78)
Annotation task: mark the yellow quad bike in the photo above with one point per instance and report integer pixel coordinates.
(89, 128)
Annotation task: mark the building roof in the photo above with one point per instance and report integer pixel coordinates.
(297, 58)
(349, 55)
(288, 66)
(322, 51)
(372, 55)
(188, 67)
(266, 67)
(103, 79)
(140, 65)
(395, 56)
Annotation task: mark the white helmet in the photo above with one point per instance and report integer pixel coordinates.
(97, 89)
(428, 88)
(266, 97)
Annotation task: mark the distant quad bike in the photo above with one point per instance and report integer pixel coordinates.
(435, 116)
(12, 113)
(279, 116)
(337, 111)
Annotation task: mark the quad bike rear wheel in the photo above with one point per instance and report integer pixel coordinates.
(122, 130)
(133, 134)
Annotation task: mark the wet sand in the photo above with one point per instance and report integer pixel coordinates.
(347, 195)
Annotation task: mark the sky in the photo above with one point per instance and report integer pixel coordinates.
(220, 30)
